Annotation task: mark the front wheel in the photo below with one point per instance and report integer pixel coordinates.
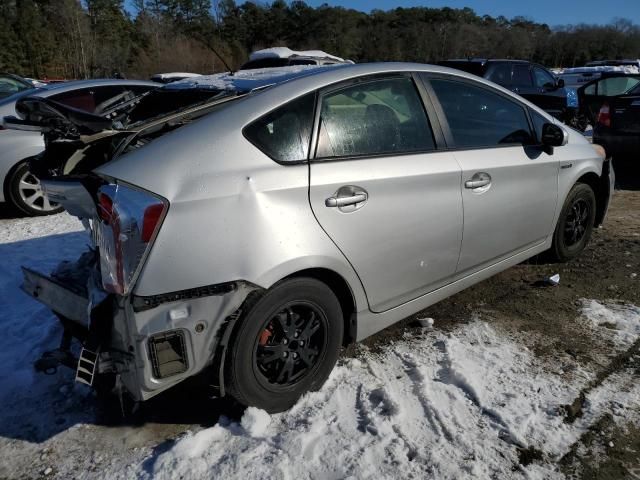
(24, 192)
(575, 223)
(285, 345)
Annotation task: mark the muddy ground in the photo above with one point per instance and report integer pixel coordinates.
(609, 269)
(513, 299)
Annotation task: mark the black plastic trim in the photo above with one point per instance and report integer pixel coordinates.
(142, 303)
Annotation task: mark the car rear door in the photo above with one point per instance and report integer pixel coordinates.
(383, 191)
(509, 185)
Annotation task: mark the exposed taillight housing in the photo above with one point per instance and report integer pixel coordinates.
(604, 116)
(127, 222)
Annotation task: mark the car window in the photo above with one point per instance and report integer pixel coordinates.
(542, 78)
(9, 86)
(521, 75)
(284, 134)
(383, 116)
(81, 99)
(478, 117)
(501, 74)
(617, 85)
(538, 121)
(591, 89)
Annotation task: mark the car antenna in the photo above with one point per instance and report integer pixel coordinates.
(226, 65)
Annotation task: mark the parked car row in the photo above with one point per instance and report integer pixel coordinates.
(529, 80)
(247, 226)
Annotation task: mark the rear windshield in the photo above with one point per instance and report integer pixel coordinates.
(475, 68)
(164, 101)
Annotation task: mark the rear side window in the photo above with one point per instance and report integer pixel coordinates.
(501, 74)
(521, 75)
(379, 117)
(612, 86)
(284, 134)
(478, 117)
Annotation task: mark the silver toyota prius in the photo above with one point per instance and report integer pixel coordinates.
(245, 227)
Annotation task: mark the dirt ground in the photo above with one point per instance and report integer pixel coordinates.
(609, 269)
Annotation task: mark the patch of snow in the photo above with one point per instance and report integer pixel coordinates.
(442, 406)
(181, 75)
(255, 421)
(285, 52)
(246, 80)
(425, 322)
(623, 321)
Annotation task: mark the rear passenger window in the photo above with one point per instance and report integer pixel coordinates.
(379, 117)
(478, 117)
(501, 74)
(285, 133)
(521, 75)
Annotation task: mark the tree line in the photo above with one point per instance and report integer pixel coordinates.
(102, 38)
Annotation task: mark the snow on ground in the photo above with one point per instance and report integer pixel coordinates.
(28, 328)
(444, 406)
(448, 406)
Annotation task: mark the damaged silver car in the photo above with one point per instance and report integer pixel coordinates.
(245, 227)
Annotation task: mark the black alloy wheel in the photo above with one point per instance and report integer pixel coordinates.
(289, 346)
(575, 223)
(284, 344)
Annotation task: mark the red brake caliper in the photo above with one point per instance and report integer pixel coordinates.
(265, 336)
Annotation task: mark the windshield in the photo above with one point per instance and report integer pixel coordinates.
(19, 95)
(10, 85)
(164, 101)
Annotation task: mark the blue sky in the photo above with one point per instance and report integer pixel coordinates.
(553, 12)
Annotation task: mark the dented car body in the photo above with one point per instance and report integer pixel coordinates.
(323, 203)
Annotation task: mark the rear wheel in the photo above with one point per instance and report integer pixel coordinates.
(285, 345)
(575, 223)
(24, 192)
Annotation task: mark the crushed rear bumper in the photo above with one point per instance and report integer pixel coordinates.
(149, 346)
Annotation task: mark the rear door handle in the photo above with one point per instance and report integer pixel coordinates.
(344, 201)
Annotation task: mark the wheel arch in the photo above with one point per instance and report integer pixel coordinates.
(600, 187)
(340, 287)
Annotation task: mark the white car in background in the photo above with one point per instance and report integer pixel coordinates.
(285, 57)
(20, 187)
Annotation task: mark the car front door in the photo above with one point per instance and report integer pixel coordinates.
(509, 185)
(548, 95)
(383, 192)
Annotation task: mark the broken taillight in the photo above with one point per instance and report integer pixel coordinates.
(127, 222)
(604, 116)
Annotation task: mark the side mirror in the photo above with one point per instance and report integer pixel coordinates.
(553, 136)
(560, 83)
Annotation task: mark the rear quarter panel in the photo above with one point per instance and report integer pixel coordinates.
(234, 213)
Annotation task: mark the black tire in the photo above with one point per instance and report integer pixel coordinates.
(269, 365)
(18, 196)
(575, 224)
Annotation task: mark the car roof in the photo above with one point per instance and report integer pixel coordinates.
(317, 77)
(62, 87)
(486, 60)
(249, 80)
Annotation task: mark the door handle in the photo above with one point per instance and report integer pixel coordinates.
(479, 180)
(344, 201)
